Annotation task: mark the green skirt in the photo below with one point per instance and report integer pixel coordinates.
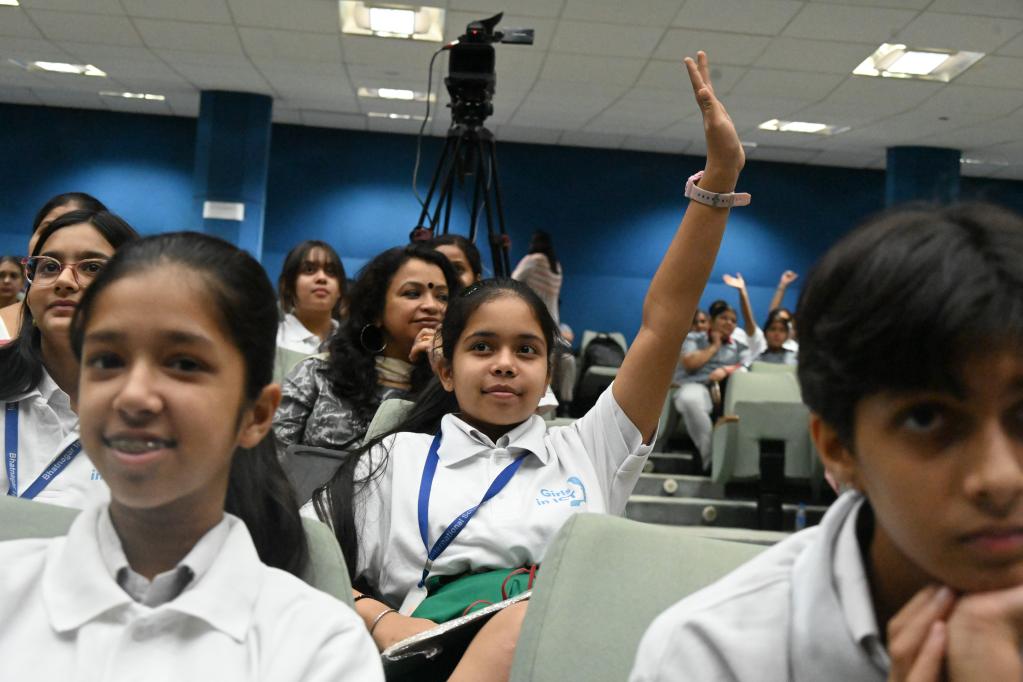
(453, 596)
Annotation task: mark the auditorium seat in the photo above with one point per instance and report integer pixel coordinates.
(326, 570)
(602, 582)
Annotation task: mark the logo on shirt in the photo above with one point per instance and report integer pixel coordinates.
(574, 493)
(94, 476)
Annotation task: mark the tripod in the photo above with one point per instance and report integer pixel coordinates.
(470, 149)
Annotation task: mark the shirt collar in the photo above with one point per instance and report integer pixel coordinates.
(294, 329)
(46, 389)
(853, 587)
(165, 586)
(77, 585)
(462, 440)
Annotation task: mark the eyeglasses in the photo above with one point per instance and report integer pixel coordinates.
(43, 271)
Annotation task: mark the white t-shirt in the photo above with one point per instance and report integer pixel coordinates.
(801, 612)
(591, 465)
(293, 335)
(63, 616)
(46, 427)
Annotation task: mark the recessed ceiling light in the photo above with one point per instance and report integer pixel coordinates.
(392, 21)
(780, 126)
(973, 161)
(134, 95)
(61, 67)
(9, 3)
(395, 93)
(395, 117)
(892, 60)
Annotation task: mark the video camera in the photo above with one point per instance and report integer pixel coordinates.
(471, 75)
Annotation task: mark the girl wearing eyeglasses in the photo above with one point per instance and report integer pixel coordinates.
(38, 371)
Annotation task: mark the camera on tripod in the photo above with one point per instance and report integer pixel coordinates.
(471, 73)
(469, 150)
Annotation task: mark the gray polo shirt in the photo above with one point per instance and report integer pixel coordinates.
(800, 611)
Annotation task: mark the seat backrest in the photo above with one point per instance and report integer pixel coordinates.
(590, 334)
(309, 467)
(776, 367)
(326, 570)
(602, 582)
(388, 415)
(285, 361)
(773, 387)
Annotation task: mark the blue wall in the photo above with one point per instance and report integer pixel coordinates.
(612, 212)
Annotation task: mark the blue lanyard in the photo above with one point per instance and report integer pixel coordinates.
(58, 465)
(456, 526)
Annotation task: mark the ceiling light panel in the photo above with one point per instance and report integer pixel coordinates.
(806, 127)
(150, 97)
(8, 3)
(391, 21)
(61, 67)
(395, 93)
(893, 60)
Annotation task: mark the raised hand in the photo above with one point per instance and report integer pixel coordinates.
(787, 278)
(724, 151)
(735, 281)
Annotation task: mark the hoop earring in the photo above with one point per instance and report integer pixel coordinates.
(368, 347)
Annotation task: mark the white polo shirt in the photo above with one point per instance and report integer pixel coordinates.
(293, 335)
(63, 616)
(800, 611)
(591, 465)
(46, 426)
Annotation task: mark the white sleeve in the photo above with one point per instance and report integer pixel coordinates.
(757, 345)
(614, 446)
(373, 511)
(525, 266)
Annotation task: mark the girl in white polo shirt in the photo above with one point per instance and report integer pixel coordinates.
(38, 371)
(473, 442)
(161, 584)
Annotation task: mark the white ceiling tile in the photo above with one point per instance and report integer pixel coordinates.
(643, 12)
(567, 92)
(329, 119)
(69, 98)
(966, 103)
(749, 111)
(582, 37)
(995, 72)
(109, 54)
(627, 124)
(15, 22)
(691, 130)
(387, 125)
(180, 35)
(290, 46)
(783, 154)
(992, 132)
(205, 11)
(959, 32)
(11, 75)
(528, 135)
(191, 58)
(386, 106)
(318, 16)
(289, 116)
(990, 8)
(1013, 48)
(885, 96)
(854, 24)
(404, 56)
(847, 159)
(485, 8)
(372, 76)
(241, 79)
(297, 85)
(723, 48)
(148, 76)
(18, 95)
(530, 114)
(1014, 172)
(895, 4)
(86, 28)
(455, 24)
(110, 7)
(30, 50)
(575, 138)
(777, 83)
(673, 76)
(821, 56)
(592, 69)
(514, 68)
(764, 17)
(183, 105)
(325, 102)
(839, 114)
(660, 145)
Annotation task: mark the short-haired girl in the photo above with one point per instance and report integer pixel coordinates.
(476, 433)
(398, 298)
(777, 332)
(160, 583)
(38, 370)
(310, 289)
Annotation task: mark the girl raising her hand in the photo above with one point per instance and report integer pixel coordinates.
(472, 481)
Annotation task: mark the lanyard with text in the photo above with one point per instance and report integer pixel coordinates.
(456, 526)
(58, 465)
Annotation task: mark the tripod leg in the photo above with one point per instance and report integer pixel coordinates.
(437, 174)
(447, 189)
(499, 208)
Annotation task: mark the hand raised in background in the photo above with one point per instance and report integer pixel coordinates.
(735, 281)
(787, 278)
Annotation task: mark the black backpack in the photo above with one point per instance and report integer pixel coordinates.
(602, 351)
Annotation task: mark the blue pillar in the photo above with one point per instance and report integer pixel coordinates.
(922, 174)
(232, 153)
